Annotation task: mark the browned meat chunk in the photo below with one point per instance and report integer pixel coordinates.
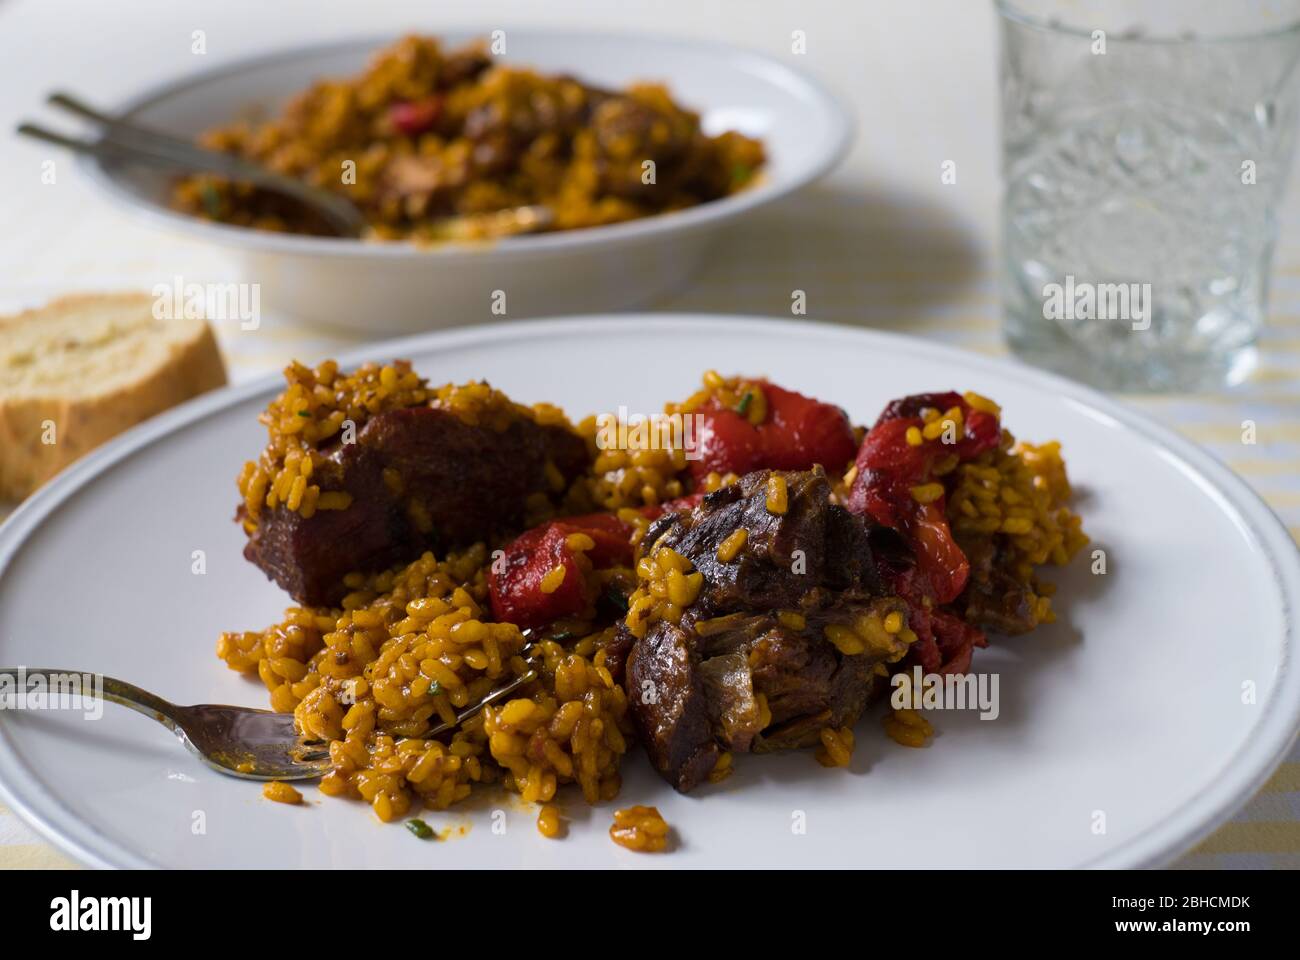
(669, 707)
(814, 544)
(463, 65)
(809, 684)
(994, 598)
(420, 478)
(749, 666)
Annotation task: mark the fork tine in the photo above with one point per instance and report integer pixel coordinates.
(256, 744)
(119, 128)
(147, 145)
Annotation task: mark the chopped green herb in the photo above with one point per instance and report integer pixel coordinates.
(742, 408)
(305, 414)
(420, 829)
(740, 173)
(211, 201)
(615, 597)
(435, 688)
(562, 636)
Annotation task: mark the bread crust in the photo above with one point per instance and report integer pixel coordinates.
(78, 424)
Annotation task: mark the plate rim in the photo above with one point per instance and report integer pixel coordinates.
(1198, 816)
(842, 130)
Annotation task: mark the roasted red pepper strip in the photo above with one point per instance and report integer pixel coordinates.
(944, 642)
(800, 431)
(913, 404)
(888, 467)
(515, 580)
(413, 117)
(796, 433)
(725, 443)
(940, 558)
(612, 536)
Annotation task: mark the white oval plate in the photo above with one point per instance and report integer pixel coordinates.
(387, 287)
(1127, 714)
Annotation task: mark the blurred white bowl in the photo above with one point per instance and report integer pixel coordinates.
(385, 288)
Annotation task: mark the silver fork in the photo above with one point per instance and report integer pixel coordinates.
(126, 140)
(240, 741)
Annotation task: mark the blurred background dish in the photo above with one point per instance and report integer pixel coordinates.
(429, 132)
(390, 288)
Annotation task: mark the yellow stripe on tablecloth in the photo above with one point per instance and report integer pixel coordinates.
(1266, 467)
(34, 856)
(1271, 374)
(1262, 837)
(996, 349)
(1231, 432)
(1281, 499)
(1285, 780)
(1287, 399)
(1282, 343)
(29, 855)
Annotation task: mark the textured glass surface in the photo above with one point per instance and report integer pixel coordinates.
(1142, 173)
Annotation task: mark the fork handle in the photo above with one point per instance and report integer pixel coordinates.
(84, 110)
(109, 147)
(108, 689)
(124, 140)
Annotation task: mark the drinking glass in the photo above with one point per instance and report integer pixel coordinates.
(1146, 144)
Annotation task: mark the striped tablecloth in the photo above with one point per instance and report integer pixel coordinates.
(881, 244)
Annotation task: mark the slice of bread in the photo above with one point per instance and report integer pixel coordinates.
(82, 369)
